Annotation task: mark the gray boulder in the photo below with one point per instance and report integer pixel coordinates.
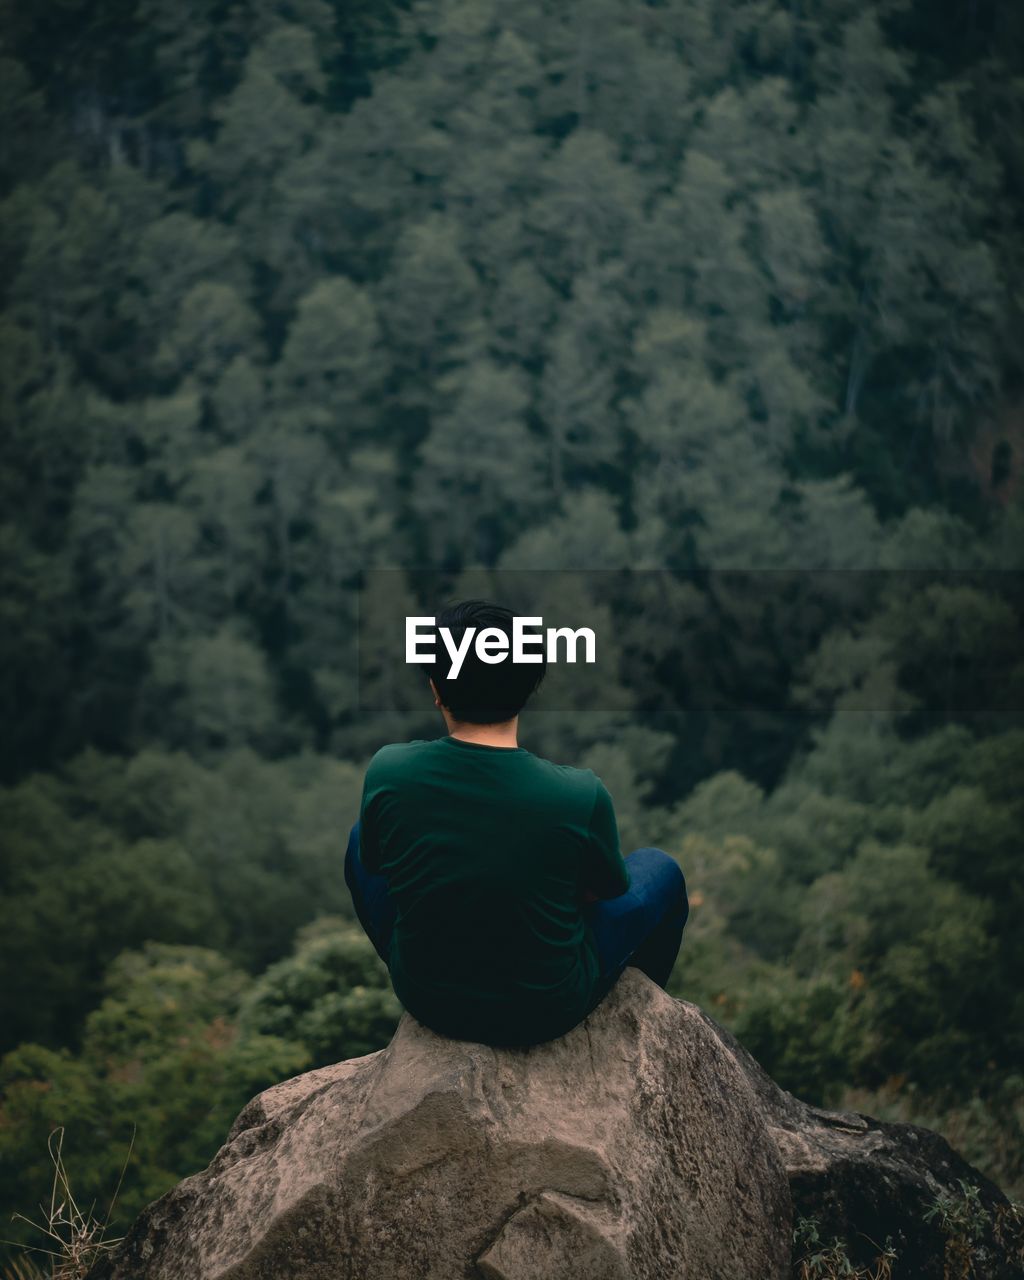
(632, 1147)
(645, 1145)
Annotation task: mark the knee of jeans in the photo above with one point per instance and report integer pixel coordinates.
(667, 868)
(675, 873)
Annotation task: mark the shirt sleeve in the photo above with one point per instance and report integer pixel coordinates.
(369, 846)
(605, 873)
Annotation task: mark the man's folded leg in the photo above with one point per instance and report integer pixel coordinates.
(644, 926)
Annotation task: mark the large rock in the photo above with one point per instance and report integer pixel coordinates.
(632, 1147)
(644, 1145)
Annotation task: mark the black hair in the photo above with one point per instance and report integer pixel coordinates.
(483, 693)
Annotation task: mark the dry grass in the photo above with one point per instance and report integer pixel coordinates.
(1008, 1225)
(23, 1269)
(833, 1264)
(829, 1261)
(75, 1238)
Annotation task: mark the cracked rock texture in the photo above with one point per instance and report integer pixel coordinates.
(644, 1145)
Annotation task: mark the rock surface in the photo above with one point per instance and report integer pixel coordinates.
(645, 1145)
(866, 1181)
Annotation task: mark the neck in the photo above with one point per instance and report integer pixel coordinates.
(505, 734)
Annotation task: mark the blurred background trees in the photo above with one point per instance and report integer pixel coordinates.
(294, 292)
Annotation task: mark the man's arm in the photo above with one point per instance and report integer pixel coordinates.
(605, 872)
(369, 848)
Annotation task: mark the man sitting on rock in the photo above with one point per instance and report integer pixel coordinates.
(490, 880)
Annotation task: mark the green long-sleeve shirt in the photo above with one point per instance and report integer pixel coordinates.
(487, 852)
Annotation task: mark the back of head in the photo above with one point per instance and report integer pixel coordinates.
(484, 692)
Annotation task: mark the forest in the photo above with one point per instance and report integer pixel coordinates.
(701, 319)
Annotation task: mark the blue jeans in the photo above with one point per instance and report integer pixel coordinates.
(643, 927)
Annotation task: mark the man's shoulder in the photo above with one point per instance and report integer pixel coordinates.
(583, 782)
(397, 756)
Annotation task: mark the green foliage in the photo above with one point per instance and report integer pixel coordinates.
(109, 855)
(963, 1220)
(838, 950)
(961, 1216)
(817, 1259)
(742, 280)
(162, 1070)
(179, 1043)
(332, 995)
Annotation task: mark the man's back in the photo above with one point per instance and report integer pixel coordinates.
(487, 851)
